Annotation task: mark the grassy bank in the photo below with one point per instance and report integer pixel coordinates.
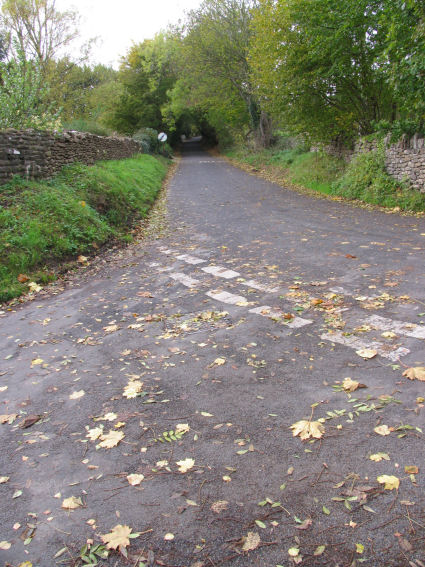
(44, 223)
(363, 179)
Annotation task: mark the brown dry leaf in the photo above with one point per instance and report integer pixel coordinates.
(306, 429)
(367, 352)
(218, 362)
(117, 537)
(111, 439)
(251, 541)
(305, 525)
(144, 294)
(411, 469)
(415, 373)
(350, 385)
(8, 418)
(219, 506)
(22, 278)
(390, 482)
(72, 503)
(135, 479)
(29, 420)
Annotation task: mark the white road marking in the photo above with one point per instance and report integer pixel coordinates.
(227, 297)
(184, 279)
(399, 327)
(260, 286)
(190, 259)
(220, 272)
(266, 311)
(357, 344)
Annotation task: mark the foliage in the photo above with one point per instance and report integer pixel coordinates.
(148, 138)
(87, 125)
(23, 96)
(41, 31)
(315, 63)
(46, 221)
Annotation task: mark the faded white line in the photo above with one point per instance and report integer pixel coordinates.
(190, 259)
(271, 313)
(355, 343)
(184, 279)
(220, 272)
(227, 297)
(399, 327)
(261, 287)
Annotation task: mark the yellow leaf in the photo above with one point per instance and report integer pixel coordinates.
(82, 259)
(251, 541)
(218, 362)
(34, 287)
(389, 335)
(72, 503)
(382, 430)
(111, 439)
(37, 361)
(133, 388)
(111, 328)
(5, 545)
(8, 418)
(117, 537)
(359, 548)
(94, 433)
(415, 373)
(306, 429)
(135, 479)
(377, 457)
(77, 395)
(185, 465)
(293, 551)
(411, 469)
(182, 428)
(389, 481)
(366, 352)
(350, 385)
(169, 537)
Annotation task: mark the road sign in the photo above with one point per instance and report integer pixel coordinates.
(162, 137)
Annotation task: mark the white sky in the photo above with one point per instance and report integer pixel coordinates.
(118, 23)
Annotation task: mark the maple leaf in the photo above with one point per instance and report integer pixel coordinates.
(382, 430)
(72, 503)
(350, 385)
(251, 541)
(111, 439)
(306, 429)
(415, 373)
(366, 352)
(185, 465)
(118, 537)
(133, 388)
(389, 481)
(135, 479)
(94, 433)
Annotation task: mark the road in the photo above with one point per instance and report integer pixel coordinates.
(244, 321)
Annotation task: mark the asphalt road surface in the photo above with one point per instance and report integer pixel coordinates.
(158, 390)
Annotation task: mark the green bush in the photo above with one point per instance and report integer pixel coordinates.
(148, 138)
(44, 222)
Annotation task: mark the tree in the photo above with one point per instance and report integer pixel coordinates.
(40, 30)
(23, 96)
(317, 66)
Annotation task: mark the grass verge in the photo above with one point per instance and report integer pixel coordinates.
(364, 179)
(44, 223)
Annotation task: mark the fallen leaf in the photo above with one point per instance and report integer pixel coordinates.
(72, 503)
(22, 278)
(415, 373)
(34, 287)
(133, 388)
(306, 429)
(305, 525)
(111, 328)
(37, 361)
(377, 457)
(218, 362)
(359, 548)
(366, 352)
(182, 428)
(169, 537)
(219, 506)
(5, 545)
(82, 259)
(389, 481)
(29, 420)
(251, 541)
(382, 430)
(8, 418)
(293, 551)
(77, 395)
(350, 385)
(389, 335)
(94, 433)
(4, 479)
(111, 439)
(117, 537)
(411, 469)
(185, 465)
(144, 294)
(319, 550)
(135, 479)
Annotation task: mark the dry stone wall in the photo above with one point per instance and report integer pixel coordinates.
(34, 154)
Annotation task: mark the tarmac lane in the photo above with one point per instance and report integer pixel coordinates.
(248, 390)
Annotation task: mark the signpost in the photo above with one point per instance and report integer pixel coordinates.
(162, 137)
